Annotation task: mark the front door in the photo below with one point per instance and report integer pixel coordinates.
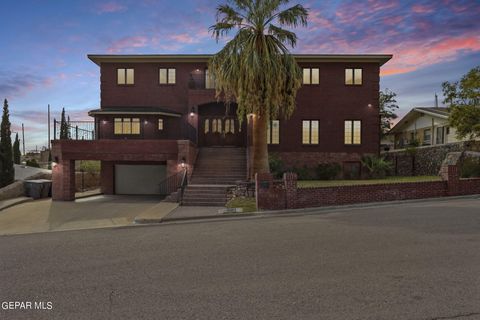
(221, 131)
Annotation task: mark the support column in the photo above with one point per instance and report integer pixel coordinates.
(107, 177)
(290, 180)
(63, 181)
(453, 180)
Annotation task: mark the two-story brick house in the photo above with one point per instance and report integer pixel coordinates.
(158, 115)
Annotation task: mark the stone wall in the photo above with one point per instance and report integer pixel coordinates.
(241, 190)
(425, 161)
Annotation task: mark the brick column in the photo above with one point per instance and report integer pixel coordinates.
(290, 181)
(453, 180)
(263, 187)
(107, 177)
(187, 151)
(63, 181)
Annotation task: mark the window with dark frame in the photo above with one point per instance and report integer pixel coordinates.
(353, 77)
(311, 76)
(167, 76)
(273, 132)
(353, 132)
(126, 126)
(160, 124)
(209, 80)
(125, 76)
(310, 131)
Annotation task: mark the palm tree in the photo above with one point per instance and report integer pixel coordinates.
(255, 68)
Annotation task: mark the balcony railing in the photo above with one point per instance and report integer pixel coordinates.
(76, 130)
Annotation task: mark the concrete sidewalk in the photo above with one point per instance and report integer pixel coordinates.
(88, 213)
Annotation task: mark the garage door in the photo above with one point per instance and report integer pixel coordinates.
(139, 179)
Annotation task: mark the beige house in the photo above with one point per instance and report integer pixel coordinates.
(427, 126)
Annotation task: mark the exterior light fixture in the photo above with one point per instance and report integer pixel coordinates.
(183, 163)
(145, 122)
(192, 112)
(104, 121)
(369, 105)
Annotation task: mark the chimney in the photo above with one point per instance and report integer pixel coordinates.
(436, 100)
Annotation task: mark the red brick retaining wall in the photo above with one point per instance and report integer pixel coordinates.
(284, 194)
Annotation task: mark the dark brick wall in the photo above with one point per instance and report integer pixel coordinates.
(286, 195)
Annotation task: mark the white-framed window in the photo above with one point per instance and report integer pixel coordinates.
(167, 76)
(126, 126)
(310, 131)
(209, 80)
(353, 77)
(427, 136)
(160, 124)
(125, 76)
(273, 132)
(311, 76)
(353, 132)
(229, 126)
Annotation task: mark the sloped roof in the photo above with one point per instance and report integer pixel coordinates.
(135, 110)
(441, 113)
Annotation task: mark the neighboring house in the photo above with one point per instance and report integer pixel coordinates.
(425, 126)
(158, 112)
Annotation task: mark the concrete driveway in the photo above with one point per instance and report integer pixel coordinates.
(87, 213)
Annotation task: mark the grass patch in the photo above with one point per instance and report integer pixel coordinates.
(336, 183)
(247, 204)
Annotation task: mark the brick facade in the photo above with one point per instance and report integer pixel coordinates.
(284, 194)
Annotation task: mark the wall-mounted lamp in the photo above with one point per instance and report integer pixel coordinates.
(369, 105)
(104, 121)
(145, 122)
(192, 112)
(183, 163)
(251, 115)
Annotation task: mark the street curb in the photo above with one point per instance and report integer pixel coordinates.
(23, 200)
(313, 210)
(205, 217)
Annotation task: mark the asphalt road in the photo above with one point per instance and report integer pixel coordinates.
(411, 261)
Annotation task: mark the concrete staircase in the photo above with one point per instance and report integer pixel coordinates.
(216, 169)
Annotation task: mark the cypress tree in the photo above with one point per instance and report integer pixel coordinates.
(16, 150)
(63, 126)
(7, 172)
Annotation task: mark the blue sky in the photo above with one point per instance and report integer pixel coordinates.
(45, 43)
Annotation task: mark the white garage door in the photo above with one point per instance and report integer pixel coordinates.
(139, 179)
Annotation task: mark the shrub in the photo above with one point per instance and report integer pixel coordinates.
(90, 166)
(328, 171)
(303, 173)
(32, 163)
(470, 168)
(276, 165)
(376, 166)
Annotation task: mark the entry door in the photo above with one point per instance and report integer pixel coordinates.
(221, 131)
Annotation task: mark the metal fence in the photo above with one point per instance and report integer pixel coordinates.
(76, 130)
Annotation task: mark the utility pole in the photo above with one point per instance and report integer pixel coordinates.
(48, 144)
(23, 138)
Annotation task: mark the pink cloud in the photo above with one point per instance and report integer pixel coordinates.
(110, 7)
(418, 8)
(184, 38)
(392, 21)
(126, 43)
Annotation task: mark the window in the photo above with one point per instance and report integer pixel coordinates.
(125, 76)
(311, 76)
(273, 132)
(229, 126)
(160, 124)
(167, 76)
(209, 80)
(353, 132)
(207, 125)
(353, 77)
(127, 126)
(427, 136)
(217, 126)
(310, 131)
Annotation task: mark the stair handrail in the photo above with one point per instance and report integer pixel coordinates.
(183, 185)
(172, 183)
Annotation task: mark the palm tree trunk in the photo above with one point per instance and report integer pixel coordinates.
(260, 147)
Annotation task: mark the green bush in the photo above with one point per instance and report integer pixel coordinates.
(32, 163)
(470, 168)
(328, 171)
(276, 165)
(377, 166)
(303, 173)
(90, 166)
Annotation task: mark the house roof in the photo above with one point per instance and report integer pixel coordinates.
(441, 113)
(134, 111)
(109, 58)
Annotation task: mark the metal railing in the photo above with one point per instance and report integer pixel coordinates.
(76, 130)
(176, 182)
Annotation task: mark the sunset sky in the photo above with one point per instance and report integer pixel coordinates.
(44, 45)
